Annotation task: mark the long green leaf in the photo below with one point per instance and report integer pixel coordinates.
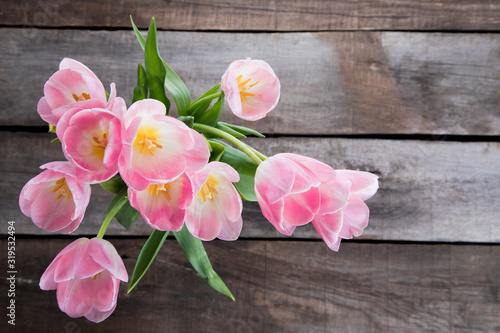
(155, 68)
(216, 150)
(141, 90)
(211, 117)
(197, 108)
(138, 34)
(243, 130)
(114, 185)
(245, 167)
(146, 257)
(195, 253)
(178, 90)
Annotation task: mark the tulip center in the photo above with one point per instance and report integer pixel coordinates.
(157, 189)
(209, 189)
(82, 97)
(146, 141)
(243, 86)
(101, 142)
(96, 276)
(62, 189)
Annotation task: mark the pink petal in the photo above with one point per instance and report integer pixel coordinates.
(104, 254)
(300, 208)
(45, 112)
(328, 227)
(356, 215)
(334, 195)
(364, 184)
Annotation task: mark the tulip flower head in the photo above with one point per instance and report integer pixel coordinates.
(55, 200)
(163, 206)
(91, 140)
(87, 276)
(293, 190)
(72, 83)
(251, 88)
(216, 208)
(157, 148)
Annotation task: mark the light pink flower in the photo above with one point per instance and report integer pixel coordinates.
(251, 88)
(157, 148)
(55, 200)
(91, 139)
(216, 209)
(353, 218)
(71, 84)
(87, 275)
(163, 206)
(291, 189)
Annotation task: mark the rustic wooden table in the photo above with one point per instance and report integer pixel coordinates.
(409, 90)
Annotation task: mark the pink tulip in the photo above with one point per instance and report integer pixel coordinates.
(71, 84)
(251, 88)
(157, 148)
(87, 275)
(163, 206)
(55, 200)
(91, 139)
(216, 209)
(353, 218)
(291, 189)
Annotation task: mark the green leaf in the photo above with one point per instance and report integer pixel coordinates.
(55, 140)
(245, 167)
(201, 104)
(138, 34)
(155, 68)
(243, 130)
(141, 90)
(127, 215)
(211, 117)
(195, 253)
(188, 120)
(229, 130)
(216, 150)
(114, 185)
(146, 256)
(178, 90)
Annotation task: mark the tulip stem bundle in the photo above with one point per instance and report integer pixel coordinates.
(256, 156)
(178, 174)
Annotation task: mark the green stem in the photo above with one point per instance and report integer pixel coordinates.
(203, 100)
(110, 216)
(243, 146)
(258, 153)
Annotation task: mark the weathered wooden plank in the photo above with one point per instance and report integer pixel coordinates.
(282, 287)
(343, 82)
(259, 15)
(430, 191)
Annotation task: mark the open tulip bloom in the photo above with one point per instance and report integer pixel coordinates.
(178, 173)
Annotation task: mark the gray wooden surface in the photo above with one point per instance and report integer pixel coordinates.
(409, 90)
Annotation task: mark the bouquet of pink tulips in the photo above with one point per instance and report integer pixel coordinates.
(178, 173)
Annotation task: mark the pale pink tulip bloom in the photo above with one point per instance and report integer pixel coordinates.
(55, 200)
(87, 275)
(251, 88)
(157, 148)
(71, 84)
(91, 139)
(216, 208)
(353, 218)
(291, 189)
(163, 206)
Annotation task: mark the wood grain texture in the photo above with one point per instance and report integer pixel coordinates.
(282, 287)
(259, 15)
(429, 191)
(342, 82)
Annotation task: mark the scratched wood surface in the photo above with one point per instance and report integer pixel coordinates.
(285, 286)
(409, 90)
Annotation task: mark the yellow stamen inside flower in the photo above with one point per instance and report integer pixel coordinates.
(242, 85)
(82, 97)
(156, 189)
(209, 189)
(95, 276)
(146, 141)
(62, 189)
